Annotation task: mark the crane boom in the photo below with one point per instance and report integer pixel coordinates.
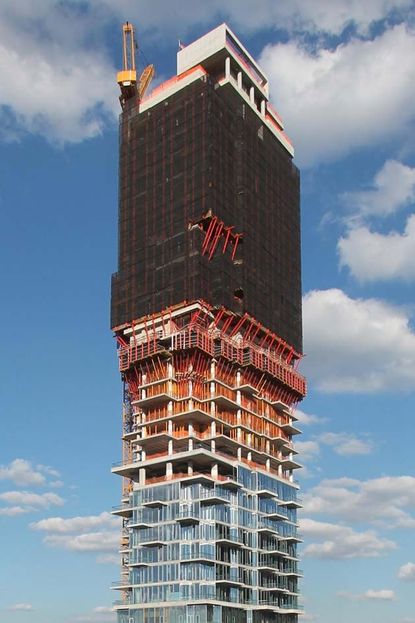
(127, 77)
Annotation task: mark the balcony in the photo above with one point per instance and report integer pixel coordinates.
(122, 510)
(187, 518)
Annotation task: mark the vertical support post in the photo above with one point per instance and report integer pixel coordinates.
(227, 67)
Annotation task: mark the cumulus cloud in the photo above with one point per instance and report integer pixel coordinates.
(31, 500)
(76, 524)
(357, 345)
(12, 511)
(21, 607)
(386, 501)
(370, 595)
(335, 541)
(372, 256)
(22, 473)
(246, 16)
(108, 559)
(98, 615)
(407, 572)
(336, 100)
(89, 542)
(308, 449)
(91, 533)
(346, 444)
(393, 188)
(54, 82)
(307, 419)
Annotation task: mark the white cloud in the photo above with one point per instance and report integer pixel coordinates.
(56, 79)
(371, 256)
(76, 524)
(307, 419)
(393, 188)
(335, 541)
(103, 609)
(21, 607)
(108, 559)
(407, 572)
(90, 533)
(385, 501)
(357, 345)
(370, 595)
(334, 101)
(12, 511)
(22, 473)
(308, 450)
(345, 444)
(104, 541)
(98, 615)
(34, 500)
(246, 16)
(47, 469)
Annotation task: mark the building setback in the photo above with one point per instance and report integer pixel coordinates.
(206, 309)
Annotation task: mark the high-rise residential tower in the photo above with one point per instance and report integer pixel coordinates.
(206, 309)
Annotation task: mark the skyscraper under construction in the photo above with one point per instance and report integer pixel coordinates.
(206, 309)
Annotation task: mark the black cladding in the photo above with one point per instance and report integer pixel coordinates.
(204, 152)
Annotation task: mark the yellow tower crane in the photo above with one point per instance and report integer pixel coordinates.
(127, 77)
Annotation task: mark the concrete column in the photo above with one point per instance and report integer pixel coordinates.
(267, 446)
(239, 454)
(212, 389)
(252, 94)
(238, 397)
(249, 457)
(144, 432)
(142, 476)
(170, 406)
(268, 465)
(238, 434)
(213, 446)
(240, 79)
(143, 455)
(227, 66)
(143, 394)
(170, 427)
(213, 368)
(190, 388)
(190, 428)
(190, 405)
(212, 408)
(279, 470)
(213, 429)
(263, 107)
(169, 470)
(190, 468)
(238, 378)
(169, 386)
(170, 447)
(214, 470)
(238, 416)
(190, 444)
(170, 370)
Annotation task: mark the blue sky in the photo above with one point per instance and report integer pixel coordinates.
(343, 78)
